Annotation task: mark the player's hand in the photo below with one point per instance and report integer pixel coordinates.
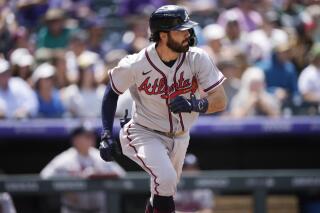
(109, 148)
(182, 104)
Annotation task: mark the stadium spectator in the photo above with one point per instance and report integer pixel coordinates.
(78, 51)
(290, 13)
(252, 98)
(307, 33)
(58, 60)
(50, 104)
(262, 41)
(125, 100)
(17, 99)
(134, 7)
(281, 75)
(84, 98)
(136, 38)
(21, 63)
(196, 200)
(82, 160)
(309, 79)
(77, 9)
(230, 66)
(6, 36)
(248, 18)
(213, 34)
(21, 38)
(54, 34)
(29, 13)
(314, 12)
(235, 38)
(95, 26)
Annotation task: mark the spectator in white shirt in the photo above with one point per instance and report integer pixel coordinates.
(309, 79)
(253, 99)
(82, 160)
(17, 99)
(84, 98)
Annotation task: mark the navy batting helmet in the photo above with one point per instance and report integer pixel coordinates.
(168, 18)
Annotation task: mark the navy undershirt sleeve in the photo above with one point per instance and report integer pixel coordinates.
(109, 106)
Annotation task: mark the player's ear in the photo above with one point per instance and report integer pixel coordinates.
(163, 36)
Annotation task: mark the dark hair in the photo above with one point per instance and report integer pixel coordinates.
(155, 37)
(80, 129)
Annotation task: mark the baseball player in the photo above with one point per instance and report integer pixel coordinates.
(164, 80)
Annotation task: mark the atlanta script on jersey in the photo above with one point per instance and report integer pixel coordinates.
(152, 84)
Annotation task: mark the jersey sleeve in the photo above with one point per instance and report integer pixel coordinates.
(208, 75)
(122, 76)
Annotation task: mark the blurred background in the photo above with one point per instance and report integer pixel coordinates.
(54, 57)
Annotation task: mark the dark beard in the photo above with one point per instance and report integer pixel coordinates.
(175, 46)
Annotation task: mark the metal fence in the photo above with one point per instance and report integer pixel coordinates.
(257, 182)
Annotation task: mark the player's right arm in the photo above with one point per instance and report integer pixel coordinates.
(120, 80)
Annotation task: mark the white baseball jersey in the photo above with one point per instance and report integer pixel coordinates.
(152, 84)
(71, 163)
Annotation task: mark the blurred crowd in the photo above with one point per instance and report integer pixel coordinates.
(54, 54)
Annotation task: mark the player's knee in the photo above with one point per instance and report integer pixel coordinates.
(169, 179)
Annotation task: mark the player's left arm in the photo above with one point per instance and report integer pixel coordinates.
(217, 100)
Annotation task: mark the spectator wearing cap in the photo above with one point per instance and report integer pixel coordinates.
(82, 160)
(17, 99)
(78, 55)
(281, 75)
(248, 18)
(213, 35)
(196, 200)
(309, 79)
(50, 104)
(84, 98)
(54, 34)
(253, 99)
(262, 41)
(22, 63)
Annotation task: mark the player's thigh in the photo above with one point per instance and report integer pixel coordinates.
(148, 150)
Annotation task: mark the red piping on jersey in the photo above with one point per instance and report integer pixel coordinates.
(113, 86)
(143, 163)
(215, 84)
(167, 88)
(181, 121)
(178, 67)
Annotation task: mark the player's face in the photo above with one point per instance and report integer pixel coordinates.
(83, 142)
(178, 41)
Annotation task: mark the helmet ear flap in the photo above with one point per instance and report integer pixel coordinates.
(192, 38)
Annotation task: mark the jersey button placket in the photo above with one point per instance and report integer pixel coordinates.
(175, 120)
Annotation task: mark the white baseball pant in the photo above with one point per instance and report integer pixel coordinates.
(161, 156)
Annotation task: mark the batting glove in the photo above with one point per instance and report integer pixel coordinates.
(108, 148)
(182, 104)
